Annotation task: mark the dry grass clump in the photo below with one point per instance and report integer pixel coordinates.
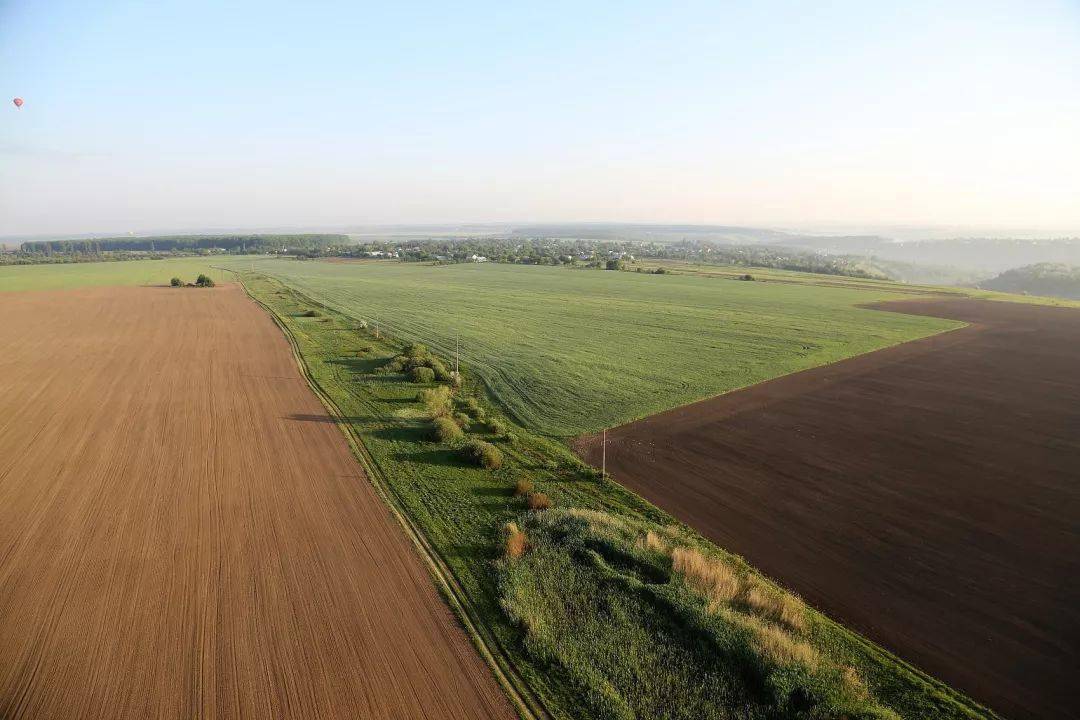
(523, 486)
(854, 684)
(721, 584)
(538, 501)
(714, 579)
(516, 543)
(781, 647)
(652, 541)
(776, 605)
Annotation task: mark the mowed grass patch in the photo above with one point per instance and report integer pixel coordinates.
(632, 648)
(15, 278)
(567, 351)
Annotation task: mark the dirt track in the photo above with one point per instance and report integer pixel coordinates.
(173, 545)
(927, 495)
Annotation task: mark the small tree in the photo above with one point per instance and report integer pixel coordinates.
(176, 282)
(204, 281)
(614, 264)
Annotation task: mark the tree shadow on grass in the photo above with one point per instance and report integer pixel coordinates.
(410, 433)
(329, 419)
(358, 365)
(440, 457)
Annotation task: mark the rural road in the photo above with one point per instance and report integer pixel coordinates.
(174, 545)
(927, 495)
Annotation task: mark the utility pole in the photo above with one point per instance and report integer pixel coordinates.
(603, 460)
(457, 351)
(376, 328)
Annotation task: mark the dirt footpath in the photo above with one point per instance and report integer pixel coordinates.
(927, 495)
(173, 545)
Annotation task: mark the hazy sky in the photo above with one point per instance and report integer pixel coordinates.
(190, 114)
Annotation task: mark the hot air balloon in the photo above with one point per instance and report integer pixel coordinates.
(18, 102)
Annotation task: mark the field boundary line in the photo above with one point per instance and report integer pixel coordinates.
(527, 704)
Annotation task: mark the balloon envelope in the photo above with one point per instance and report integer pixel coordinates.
(18, 102)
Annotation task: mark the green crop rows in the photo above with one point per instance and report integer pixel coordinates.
(567, 351)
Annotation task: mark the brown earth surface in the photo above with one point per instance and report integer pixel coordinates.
(927, 495)
(174, 544)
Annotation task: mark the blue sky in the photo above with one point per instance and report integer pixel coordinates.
(190, 114)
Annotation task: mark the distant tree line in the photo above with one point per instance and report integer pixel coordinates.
(235, 244)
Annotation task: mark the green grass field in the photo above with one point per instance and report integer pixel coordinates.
(15, 278)
(568, 351)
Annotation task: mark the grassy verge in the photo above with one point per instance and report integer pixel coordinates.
(588, 615)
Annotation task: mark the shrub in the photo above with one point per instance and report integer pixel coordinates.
(483, 454)
(515, 543)
(423, 375)
(538, 501)
(456, 379)
(747, 276)
(176, 282)
(311, 313)
(523, 486)
(472, 407)
(416, 351)
(397, 364)
(441, 373)
(204, 281)
(496, 426)
(436, 400)
(446, 430)
(361, 324)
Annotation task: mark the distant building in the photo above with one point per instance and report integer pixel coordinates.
(477, 258)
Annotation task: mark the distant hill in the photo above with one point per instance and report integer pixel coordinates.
(985, 255)
(1053, 279)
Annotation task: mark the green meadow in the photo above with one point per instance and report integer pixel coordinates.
(567, 351)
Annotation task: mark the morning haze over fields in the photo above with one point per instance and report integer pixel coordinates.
(585, 360)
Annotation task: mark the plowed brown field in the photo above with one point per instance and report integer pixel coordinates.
(174, 544)
(927, 495)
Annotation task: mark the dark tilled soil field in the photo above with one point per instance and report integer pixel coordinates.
(926, 495)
